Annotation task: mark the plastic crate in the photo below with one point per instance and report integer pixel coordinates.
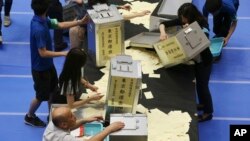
(216, 46)
(93, 128)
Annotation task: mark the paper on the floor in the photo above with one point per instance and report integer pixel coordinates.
(153, 75)
(149, 59)
(140, 108)
(148, 95)
(170, 127)
(144, 86)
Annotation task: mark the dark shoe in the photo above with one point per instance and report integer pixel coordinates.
(34, 121)
(60, 47)
(200, 107)
(205, 117)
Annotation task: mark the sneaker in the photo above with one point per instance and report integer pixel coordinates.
(34, 121)
(61, 47)
(1, 40)
(7, 21)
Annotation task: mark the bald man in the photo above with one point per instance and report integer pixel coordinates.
(63, 121)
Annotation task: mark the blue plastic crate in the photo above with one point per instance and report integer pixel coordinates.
(216, 46)
(93, 128)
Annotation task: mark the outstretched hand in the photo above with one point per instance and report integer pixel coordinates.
(84, 20)
(125, 7)
(92, 87)
(96, 96)
(142, 13)
(94, 118)
(115, 126)
(163, 37)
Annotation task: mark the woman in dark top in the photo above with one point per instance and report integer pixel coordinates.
(188, 14)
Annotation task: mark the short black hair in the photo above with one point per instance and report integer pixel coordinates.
(40, 6)
(213, 5)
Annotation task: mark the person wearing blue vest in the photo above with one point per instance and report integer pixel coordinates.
(224, 17)
(43, 70)
(187, 14)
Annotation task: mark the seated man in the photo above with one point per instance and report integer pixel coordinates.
(63, 121)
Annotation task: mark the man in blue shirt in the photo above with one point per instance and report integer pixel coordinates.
(43, 70)
(224, 16)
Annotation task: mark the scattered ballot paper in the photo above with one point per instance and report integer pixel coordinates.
(154, 75)
(144, 86)
(148, 95)
(141, 109)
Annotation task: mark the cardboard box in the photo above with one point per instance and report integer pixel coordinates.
(135, 127)
(124, 85)
(105, 33)
(185, 45)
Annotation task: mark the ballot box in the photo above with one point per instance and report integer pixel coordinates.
(105, 33)
(123, 86)
(182, 47)
(135, 127)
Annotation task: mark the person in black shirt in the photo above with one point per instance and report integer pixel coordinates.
(187, 14)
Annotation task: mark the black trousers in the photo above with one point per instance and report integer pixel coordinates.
(7, 7)
(202, 75)
(56, 12)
